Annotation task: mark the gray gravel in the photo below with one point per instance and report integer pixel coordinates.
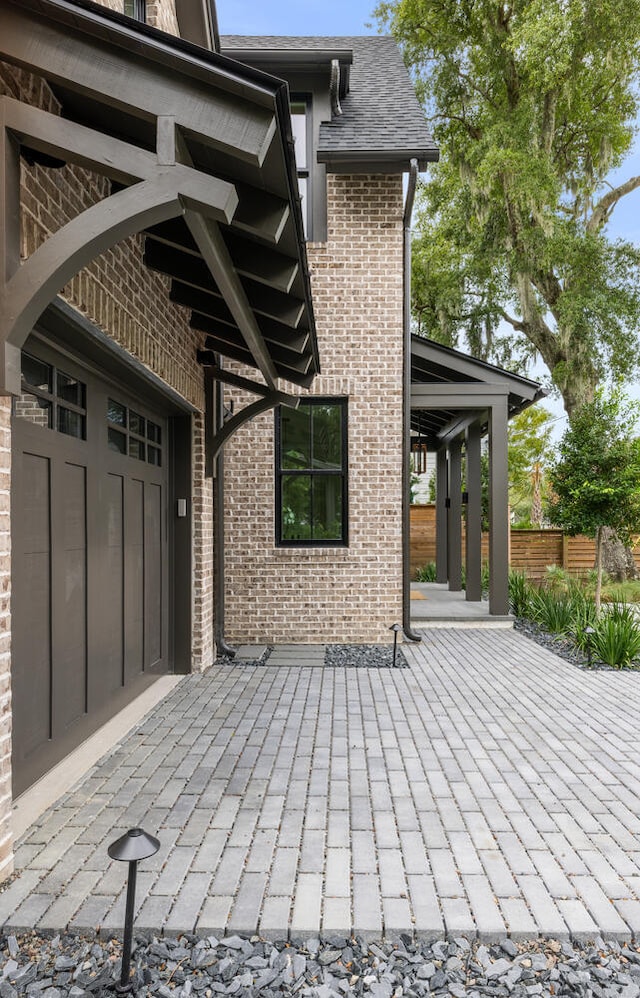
(364, 657)
(338, 656)
(78, 967)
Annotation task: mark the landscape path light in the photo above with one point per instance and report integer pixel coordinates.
(130, 848)
(589, 631)
(395, 628)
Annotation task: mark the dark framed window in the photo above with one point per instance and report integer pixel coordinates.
(136, 9)
(301, 126)
(51, 399)
(134, 435)
(312, 474)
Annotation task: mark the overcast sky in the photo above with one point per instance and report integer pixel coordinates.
(354, 17)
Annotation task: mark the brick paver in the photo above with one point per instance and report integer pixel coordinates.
(488, 788)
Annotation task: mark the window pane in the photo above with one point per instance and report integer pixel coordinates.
(71, 423)
(153, 432)
(327, 436)
(136, 449)
(295, 436)
(117, 441)
(299, 128)
(33, 409)
(36, 373)
(296, 507)
(135, 8)
(136, 423)
(327, 508)
(70, 389)
(154, 456)
(116, 413)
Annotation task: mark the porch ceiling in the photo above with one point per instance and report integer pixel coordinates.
(243, 272)
(450, 390)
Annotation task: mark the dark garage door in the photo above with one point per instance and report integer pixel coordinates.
(89, 556)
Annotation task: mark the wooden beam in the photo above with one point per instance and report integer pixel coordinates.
(220, 333)
(249, 258)
(250, 411)
(103, 71)
(28, 292)
(112, 158)
(261, 213)
(456, 396)
(272, 304)
(208, 360)
(216, 256)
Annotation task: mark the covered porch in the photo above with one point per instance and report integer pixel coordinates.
(457, 401)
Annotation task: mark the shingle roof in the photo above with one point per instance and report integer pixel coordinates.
(381, 116)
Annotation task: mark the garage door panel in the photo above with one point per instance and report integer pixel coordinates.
(134, 579)
(32, 589)
(70, 596)
(112, 589)
(32, 690)
(153, 573)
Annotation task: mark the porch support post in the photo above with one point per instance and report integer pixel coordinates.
(498, 510)
(442, 491)
(455, 516)
(474, 514)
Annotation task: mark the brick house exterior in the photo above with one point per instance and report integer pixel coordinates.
(274, 593)
(353, 593)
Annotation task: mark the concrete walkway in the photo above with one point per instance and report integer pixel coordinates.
(489, 788)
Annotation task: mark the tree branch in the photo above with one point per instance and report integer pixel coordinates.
(602, 211)
(517, 324)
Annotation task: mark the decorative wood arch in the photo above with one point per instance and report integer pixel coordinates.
(159, 191)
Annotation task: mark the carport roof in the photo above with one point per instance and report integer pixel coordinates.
(458, 380)
(241, 270)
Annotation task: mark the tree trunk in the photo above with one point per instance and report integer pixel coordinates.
(598, 569)
(617, 560)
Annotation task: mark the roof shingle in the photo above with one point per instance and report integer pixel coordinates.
(381, 115)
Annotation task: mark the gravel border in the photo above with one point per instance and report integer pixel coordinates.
(68, 966)
(336, 657)
(364, 657)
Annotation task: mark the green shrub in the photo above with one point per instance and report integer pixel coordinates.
(552, 611)
(556, 579)
(616, 640)
(427, 573)
(520, 594)
(584, 615)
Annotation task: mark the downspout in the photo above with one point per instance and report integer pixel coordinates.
(218, 531)
(406, 414)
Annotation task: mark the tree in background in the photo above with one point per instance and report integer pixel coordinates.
(595, 478)
(533, 103)
(529, 448)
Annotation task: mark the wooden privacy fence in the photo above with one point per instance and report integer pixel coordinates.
(531, 550)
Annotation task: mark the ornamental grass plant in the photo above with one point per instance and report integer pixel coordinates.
(564, 606)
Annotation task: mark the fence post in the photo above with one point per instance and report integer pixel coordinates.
(565, 551)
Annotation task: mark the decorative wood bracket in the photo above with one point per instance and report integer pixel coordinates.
(160, 190)
(269, 399)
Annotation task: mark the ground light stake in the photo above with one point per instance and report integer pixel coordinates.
(589, 631)
(130, 848)
(395, 628)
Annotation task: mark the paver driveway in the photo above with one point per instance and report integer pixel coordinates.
(488, 788)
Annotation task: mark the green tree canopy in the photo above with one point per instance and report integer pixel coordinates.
(533, 103)
(595, 478)
(529, 449)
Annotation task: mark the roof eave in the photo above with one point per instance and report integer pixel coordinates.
(376, 160)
